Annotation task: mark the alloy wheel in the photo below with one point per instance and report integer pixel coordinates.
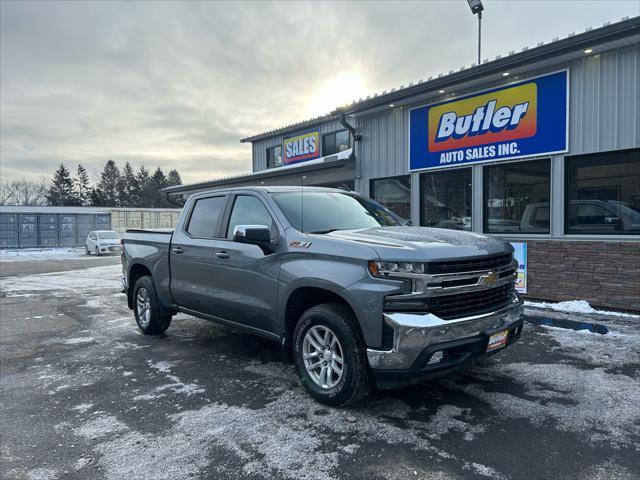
(323, 356)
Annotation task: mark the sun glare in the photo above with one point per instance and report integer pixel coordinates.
(335, 92)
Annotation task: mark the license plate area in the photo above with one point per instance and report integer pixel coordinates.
(497, 340)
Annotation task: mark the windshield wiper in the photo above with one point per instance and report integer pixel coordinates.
(320, 232)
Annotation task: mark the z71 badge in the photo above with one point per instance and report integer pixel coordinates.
(297, 244)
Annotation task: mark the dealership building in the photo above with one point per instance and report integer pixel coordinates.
(540, 147)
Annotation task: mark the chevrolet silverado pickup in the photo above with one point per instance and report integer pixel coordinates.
(354, 296)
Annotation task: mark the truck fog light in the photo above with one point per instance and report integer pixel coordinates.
(436, 357)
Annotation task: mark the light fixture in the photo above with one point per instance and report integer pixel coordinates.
(505, 74)
(477, 8)
(391, 105)
(588, 51)
(440, 91)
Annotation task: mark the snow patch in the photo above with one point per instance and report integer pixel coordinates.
(100, 427)
(79, 340)
(87, 280)
(577, 306)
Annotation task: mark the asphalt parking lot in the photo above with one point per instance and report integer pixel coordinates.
(85, 395)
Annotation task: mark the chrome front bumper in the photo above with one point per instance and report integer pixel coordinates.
(414, 332)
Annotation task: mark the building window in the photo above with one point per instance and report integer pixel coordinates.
(446, 199)
(393, 193)
(336, 142)
(274, 157)
(603, 193)
(517, 197)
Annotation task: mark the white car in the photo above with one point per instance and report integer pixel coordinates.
(102, 241)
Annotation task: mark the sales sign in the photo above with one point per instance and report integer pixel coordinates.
(302, 147)
(524, 119)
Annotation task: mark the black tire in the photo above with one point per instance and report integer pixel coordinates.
(356, 378)
(155, 319)
(86, 250)
(97, 252)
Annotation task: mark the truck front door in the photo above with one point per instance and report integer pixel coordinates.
(246, 278)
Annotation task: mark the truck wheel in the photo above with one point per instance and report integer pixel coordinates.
(151, 317)
(330, 356)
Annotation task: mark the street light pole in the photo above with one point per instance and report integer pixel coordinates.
(477, 8)
(479, 34)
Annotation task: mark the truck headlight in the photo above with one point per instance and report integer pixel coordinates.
(392, 269)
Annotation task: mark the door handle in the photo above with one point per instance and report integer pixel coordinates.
(177, 250)
(222, 254)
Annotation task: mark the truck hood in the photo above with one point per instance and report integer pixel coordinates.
(424, 244)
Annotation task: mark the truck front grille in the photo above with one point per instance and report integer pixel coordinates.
(474, 265)
(459, 305)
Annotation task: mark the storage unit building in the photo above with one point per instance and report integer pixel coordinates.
(44, 227)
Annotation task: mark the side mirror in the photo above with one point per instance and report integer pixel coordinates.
(254, 234)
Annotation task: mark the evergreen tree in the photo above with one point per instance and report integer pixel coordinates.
(107, 189)
(62, 191)
(159, 182)
(95, 198)
(145, 188)
(82, 187)
(173, 178)
(128, 188)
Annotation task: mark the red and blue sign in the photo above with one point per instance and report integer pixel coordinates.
(524, 119)
(302, 147)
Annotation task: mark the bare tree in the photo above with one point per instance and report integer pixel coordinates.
(23, 192)
(7, 194)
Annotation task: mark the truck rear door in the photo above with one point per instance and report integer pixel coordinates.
(191, 256)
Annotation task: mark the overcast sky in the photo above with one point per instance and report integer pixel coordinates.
(177, 84)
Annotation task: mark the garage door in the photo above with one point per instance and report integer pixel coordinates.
(67, 230)
(48, 230)
(8, 230)
(28, 230)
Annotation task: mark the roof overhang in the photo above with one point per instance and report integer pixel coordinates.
(343, 160)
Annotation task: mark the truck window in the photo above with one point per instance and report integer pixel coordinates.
(248, 211)
(205, 217)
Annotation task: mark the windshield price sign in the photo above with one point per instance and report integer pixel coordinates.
(520, 120)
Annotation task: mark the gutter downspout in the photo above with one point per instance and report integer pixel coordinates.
(356, 137)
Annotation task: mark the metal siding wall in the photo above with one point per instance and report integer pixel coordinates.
(28, 230)
(604, 100)
(383, 149)
(48, 230)
(8, 230)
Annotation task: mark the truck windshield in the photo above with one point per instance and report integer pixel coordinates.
(326, 212)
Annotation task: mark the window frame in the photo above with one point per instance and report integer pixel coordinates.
(408, 176)
(216, 232)
(335, 132)
(226, 218)
(485, 217)
(267, 156)
(566, 202)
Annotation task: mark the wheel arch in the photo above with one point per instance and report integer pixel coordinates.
(300, 300)
(136, 271)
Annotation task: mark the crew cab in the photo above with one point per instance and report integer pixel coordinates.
(353, 295)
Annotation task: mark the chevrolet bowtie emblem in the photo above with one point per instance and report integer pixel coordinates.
(489, 279)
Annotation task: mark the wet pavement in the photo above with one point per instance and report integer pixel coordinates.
(85, 395)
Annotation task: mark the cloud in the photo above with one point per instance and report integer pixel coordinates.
(177, 85)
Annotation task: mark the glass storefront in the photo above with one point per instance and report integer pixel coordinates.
(446, 199)
(603, 193)
(394, 193)
(516, 197)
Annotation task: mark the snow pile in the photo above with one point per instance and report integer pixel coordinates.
(576, 306)
(35, 254)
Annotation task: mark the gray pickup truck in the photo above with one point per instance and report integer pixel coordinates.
(354, 296)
